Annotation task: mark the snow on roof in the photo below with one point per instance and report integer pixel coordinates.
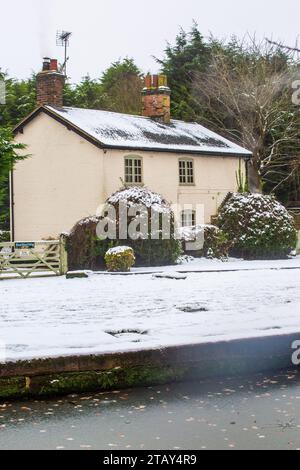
(116, 130)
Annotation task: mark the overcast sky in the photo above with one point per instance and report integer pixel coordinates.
(105, 30)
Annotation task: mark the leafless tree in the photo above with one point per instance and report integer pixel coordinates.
(248, 98)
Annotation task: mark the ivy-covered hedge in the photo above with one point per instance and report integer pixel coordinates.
(86, 250)
(149, 251)
(4, 236)
(258, 226)
(119, 259)
(215, 242)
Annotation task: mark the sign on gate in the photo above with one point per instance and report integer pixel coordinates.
(24, 245)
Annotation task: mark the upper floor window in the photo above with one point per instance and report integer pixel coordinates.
(133, 170)
(186, 171)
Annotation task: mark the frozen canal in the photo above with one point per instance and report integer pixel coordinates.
(260, 412)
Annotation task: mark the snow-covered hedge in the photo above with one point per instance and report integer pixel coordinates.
(119, 259)
(258, 226)
(86, 250)
(215, 241)
(149, 251)
(4, 236)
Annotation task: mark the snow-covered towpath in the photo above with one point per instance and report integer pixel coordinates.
(50, 317)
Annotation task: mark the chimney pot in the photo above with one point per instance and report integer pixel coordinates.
(53, 64)
(155, 81)
(46, 63)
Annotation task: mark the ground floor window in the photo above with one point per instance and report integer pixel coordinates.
(188, 218)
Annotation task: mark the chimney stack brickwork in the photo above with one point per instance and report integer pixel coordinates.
(50, 85)
(156, 98)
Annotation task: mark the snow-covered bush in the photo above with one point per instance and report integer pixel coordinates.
(85, 250)
(119, 259)
(164, 248)
(258, 226)
(215, 241)
(4, 236)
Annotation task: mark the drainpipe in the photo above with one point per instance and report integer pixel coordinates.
(12, 206)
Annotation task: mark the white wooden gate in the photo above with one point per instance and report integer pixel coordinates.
(33, 259)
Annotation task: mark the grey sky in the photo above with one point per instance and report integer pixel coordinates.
(104, 30)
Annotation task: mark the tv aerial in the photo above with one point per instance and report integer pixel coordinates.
(63, 40)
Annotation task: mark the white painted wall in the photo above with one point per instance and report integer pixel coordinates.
(59, 184)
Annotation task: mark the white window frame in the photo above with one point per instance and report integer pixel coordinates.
(186, 172)
(137, 178)
(188, 218)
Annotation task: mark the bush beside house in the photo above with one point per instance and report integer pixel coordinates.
(258, 226)
(250, 226)
(119, 259)
(148, 251)
(215, 243)
(87, 251)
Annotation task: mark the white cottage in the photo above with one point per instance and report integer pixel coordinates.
(79, 157)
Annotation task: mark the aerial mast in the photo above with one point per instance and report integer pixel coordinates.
(63, 40)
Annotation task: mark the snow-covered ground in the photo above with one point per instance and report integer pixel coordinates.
(50, 317)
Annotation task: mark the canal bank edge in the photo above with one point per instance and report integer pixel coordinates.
(79, 374)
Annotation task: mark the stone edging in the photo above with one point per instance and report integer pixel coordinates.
(63, 375)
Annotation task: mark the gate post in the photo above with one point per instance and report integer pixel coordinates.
(63, 255)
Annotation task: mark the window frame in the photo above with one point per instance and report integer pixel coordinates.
(133, 158)
(186, 175)
(192, 214)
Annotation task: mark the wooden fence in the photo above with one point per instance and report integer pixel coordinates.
(33, 259)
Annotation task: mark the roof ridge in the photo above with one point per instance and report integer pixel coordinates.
(104, 111)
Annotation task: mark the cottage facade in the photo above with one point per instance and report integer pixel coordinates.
(80, 157)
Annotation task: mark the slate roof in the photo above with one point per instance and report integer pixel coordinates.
(123, 131)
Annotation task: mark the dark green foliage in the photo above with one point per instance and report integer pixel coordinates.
(85, 250)
(4, 237)
(215, 242)
(155, 252)
(121, 85)
(258, 226)
(20, 100)
(9, 155)
(190, 54)
(87, 94)
(149, 251)
(118, 90)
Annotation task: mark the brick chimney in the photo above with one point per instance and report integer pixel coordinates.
(156, 98)
(50, 84)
